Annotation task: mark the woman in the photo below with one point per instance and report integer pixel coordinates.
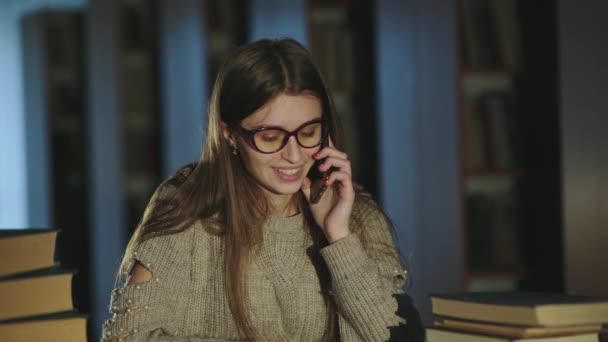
(232, 249)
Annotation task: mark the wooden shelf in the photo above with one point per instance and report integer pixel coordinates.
(493, 173)
(491, 71)
(494, 280)
(497, 273)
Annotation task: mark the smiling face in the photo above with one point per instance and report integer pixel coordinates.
(280, 173)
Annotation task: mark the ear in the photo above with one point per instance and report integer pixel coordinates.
(227, 133)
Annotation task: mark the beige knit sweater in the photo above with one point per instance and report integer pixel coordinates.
(186, 301)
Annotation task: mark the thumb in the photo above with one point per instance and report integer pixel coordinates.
(306, 188)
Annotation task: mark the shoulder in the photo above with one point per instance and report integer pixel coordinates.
(171, 184)
(164, 194)
(165, 253)
(371, 224)
(368, 213)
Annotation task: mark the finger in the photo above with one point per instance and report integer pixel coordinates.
(344, 184)
(340, 178)
(343, 165)
(330, 152)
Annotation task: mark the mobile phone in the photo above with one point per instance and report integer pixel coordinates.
(317, 178)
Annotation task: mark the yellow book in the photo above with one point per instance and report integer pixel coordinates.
(522, 308)
(439, 335)
(26, 250)
(61, 327)
(35, 293)
(515, 331)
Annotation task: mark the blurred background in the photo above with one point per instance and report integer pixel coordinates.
(479, 125)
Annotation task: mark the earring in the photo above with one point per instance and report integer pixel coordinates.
(234, 150)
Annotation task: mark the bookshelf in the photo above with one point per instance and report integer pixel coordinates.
(503, 72)
(490, 64)
(141, 116)
(341, 44)
(226, 28)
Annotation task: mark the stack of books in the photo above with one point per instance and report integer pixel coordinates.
(517, 316)
(35, 292)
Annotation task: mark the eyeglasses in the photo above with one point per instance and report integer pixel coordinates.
(272, 139)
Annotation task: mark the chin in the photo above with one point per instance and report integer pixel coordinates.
(284, 189)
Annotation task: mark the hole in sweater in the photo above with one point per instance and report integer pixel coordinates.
(139, 274)
(119, 338)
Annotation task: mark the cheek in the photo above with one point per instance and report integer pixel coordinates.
(254, 161)
(309, 159)
(310, 151)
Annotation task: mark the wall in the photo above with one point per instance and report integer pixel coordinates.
(17, 208)
(584, 110)
(418, 141)
(13, 180)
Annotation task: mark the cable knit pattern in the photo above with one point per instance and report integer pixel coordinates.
(186, 300)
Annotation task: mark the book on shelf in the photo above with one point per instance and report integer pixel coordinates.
(492, 129)
(492, 228)
(26, 250)
(482, 33)
(491, 34)
(332, 46)
(443, 335)
(35, 293)
(468, 34)
(507, 31)
(522, 308)
(504, 127)
(475, 149)
(479, 232)
(67, 326)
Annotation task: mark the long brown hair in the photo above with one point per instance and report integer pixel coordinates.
(218, 190)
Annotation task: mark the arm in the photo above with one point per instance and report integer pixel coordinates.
(150, 304)
(139, 274)
(366, 277)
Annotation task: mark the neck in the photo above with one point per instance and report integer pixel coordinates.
(283, 205)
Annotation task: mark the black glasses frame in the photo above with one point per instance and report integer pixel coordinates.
(250, 140)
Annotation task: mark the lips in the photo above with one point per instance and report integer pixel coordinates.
(288, 172)
(288, 175)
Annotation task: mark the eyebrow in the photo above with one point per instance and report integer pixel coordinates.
(280, 127)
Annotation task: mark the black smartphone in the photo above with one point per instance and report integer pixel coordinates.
(317, 178)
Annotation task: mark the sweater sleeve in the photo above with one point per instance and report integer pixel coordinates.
(366, 274)
(151, 311)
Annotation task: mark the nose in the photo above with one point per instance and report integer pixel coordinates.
(292, 152)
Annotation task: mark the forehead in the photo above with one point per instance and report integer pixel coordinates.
(287, 111)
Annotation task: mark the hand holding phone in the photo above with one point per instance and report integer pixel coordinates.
(332, 216)
(318, 179)
(318, 185)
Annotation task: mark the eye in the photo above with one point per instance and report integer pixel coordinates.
(269, 136)
(308, 133)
